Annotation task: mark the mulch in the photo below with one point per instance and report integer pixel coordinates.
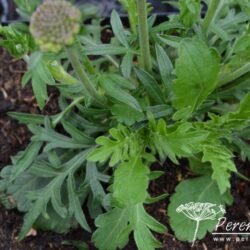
(15, 137)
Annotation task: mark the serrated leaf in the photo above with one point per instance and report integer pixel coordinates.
(42, 196)
(115, 226)
(197, 70)
(123, 145)
(131, 182)
(143, 222)
(180, 141)
(111, 232)
(221, 160)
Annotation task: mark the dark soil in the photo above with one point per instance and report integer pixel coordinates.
(15, 137)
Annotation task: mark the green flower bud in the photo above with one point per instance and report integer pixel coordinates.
(55, 24)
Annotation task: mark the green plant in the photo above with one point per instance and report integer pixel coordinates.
(178, 89)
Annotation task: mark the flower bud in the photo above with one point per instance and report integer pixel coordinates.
(55, 24)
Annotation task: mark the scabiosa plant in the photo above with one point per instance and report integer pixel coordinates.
(55, 24)
(154, 92)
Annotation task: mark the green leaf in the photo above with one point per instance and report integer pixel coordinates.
(33, 214)
(113, 90)
(178, 141)
(221, 160)
(43, 169)
(172, 41)
(112, 229)
(18, 44)
(40, 76)
(26, 78)
(106, 49)
(142, 223)
(243, 113)
(125, 114)
(19, 187)
(115, 226)
(54, 139)
(131, 182)
(151, 86)
(75, 205)
(122, 146)
(52, 192)
(77, 134)
(23, 160)
(242, 44)
(165, 66)
(197, 70)
(118, 29)
(96, 193)
(190, 11)
(27, 118)
(244, 148)
(126, 65)
(80, 245)
(40, 90)
(131, 8)
(187, 193)
(117, 79)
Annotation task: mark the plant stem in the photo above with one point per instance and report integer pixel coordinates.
(83, 76)
(143, 35)
(59, 117)
(212, 8)
(196, 231)
(234, 75)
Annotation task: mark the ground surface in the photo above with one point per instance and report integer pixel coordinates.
(15, 137)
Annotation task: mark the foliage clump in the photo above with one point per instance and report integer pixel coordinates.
(156, 92)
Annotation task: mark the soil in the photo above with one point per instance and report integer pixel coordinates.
(15, 137)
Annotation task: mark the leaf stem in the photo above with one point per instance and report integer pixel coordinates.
(83, 76)
(234, 75)
(212, 8)
(144, 35)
